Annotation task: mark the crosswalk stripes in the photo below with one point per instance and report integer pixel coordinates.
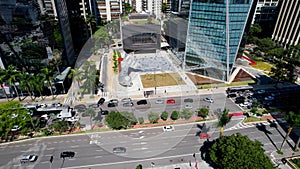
(243, 125)
(69, 100)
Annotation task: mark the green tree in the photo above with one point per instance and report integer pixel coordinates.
(38, 82)
(47, 75)
(223, 120)
(294, 121)
(3, 78)
(128, 8)
(14, 76)
(130, 116)
(60, 126)
(91, 113)
(116, 121)
(91, 22)
(186, 114)
(175, 115)
(26, 83)
(153, 117)
(203, 112)
(164, 7)
(265, 44)
(76, 74)
(141, 120)
(12, 114)
(139, 166)
(238, 151)
(102, 37)
(164, 115)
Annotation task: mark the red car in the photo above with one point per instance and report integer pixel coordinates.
(204, 136)
(171, 101)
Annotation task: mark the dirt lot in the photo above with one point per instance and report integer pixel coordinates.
(161, 79)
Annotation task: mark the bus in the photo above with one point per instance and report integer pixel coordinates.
(239, 89)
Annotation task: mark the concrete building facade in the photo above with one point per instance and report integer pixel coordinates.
(287, 28)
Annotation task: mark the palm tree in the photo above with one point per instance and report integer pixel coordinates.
(38, 82)
(90, 20)
(91, 112)
(76, 74)
(13, 77)
(48, 77)
(3, 78)
(223, 119)
(294, 121)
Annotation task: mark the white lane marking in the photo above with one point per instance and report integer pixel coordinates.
(44, 162)
(75, 146)
(72, 159)
(99, 150)
(141, 143)
(48, 155)
(143, 148)
(97, 156)
(129, 161)
(50, 148)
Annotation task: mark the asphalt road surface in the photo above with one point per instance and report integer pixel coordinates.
(143, 147)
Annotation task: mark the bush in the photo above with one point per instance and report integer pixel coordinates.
(141, 120)
(175, 115)
(186, 114)
(164, 116)
(130, 116)
(203, 112)
(153, 117)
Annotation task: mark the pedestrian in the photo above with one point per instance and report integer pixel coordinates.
(165, 91)
(139, 89)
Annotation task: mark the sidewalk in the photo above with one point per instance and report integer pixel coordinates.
(200, 165)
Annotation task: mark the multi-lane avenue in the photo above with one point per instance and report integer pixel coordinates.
(143, 146)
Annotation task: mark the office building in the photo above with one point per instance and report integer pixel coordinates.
(109, 10)
(214, 35)
(287, 28)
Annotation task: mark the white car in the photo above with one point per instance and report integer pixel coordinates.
(188, 106)
(126, 100)
(28, 158)
(159, 101)
(168, 128)
(208, 99)
(268, 98)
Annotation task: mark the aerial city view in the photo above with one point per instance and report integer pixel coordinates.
(149, 84)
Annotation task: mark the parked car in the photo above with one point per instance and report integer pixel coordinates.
(65, 154)
(112, 104)
(168, 128)
(104, 112)
(159, 101)
(268, 98)
(231, 95)
(101, 101)
(170, 101)
(126, 100)
(141, 102)
(208, 99)
(261, 91)
(119, 150)
(204, 136)
(128, 104)
(188, 106)
(28, 158)
(114, 101)
(189, 100)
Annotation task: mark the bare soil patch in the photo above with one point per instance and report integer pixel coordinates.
(161, 79)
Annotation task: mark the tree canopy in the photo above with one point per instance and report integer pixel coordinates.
(116, 120)
(238, 151)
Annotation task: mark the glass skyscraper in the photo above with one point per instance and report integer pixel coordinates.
(214, 35)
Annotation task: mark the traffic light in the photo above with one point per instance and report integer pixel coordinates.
(51, 159)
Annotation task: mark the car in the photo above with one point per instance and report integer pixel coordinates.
(159, 101)
(28, 158)
(208, 99)
(188, 106)
(204, 136)
(170, 101)
(126, 100)
(112, 104)
(261, 91)
(189, 100)
(168, 128)
(114, 101)
(65, 154)
(101, 101)
(141, 102)
(119, 150)
(15, 128)
(128, 104)
(104, 112)
(268, 98)
(231, 95)
(243, 105)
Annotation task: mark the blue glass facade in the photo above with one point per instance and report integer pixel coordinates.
(214, 34)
